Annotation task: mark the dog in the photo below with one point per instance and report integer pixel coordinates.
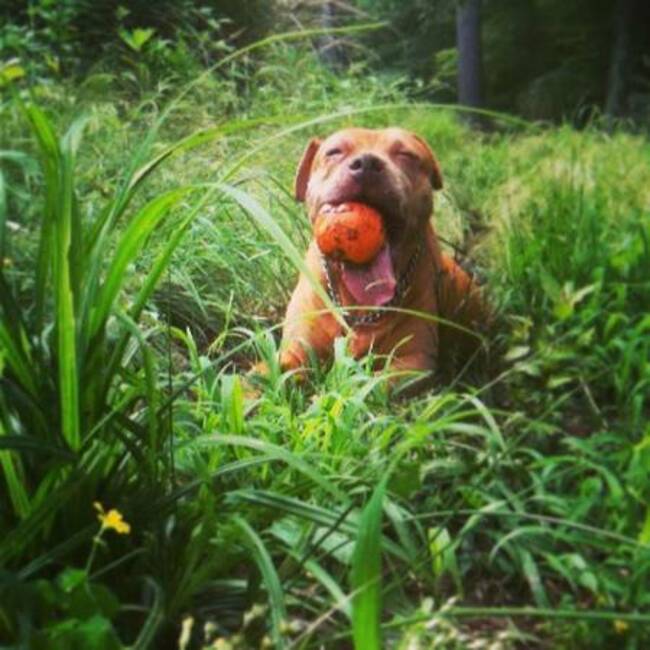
(412, 304)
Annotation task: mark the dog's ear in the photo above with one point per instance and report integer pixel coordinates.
(304, 169)
(436, 174)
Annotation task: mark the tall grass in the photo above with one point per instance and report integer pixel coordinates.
(139, 281)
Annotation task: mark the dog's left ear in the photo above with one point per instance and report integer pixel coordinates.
(436, 174)
(304, 169)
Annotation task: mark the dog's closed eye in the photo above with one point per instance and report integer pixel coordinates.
(408, 155)
(333, 151)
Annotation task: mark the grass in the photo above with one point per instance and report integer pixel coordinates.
(146, 263)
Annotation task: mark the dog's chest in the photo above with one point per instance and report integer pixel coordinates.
(378, 339)
(361, 342)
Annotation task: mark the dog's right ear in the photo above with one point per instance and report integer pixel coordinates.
(304, 169)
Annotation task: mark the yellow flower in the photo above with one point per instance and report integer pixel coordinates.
(621, 627)
(112, 519)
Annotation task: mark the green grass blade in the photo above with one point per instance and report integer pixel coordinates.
(268, 223)
(293, 506)
(443, 556)
(365, 575)
(278, 452)
(27, 164)
(232, 402)
(34, 445)
(15, 541)
(139, 171)
(270, 576)
(151, 393)
(297, 35)
(194, 140)
(591, 615)
(54, 553)
(151, 281)
(14, 476)
(3, 218)
(66, 293)
(130, 244)
(533, 577)
(55, 253)
(154, 620)
(329, 517)
(341, 601)
(51, 163)
(15, 348)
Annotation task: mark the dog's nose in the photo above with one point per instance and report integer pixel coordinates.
(366, 164)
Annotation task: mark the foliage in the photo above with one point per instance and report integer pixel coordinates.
(145, 265)
(70, 36)
(544, 59)
(566, 75)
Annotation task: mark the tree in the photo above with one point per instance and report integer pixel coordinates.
(330, 50)
(624, 12)
(468, 39)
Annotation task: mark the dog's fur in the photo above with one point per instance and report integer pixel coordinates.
(393, 171)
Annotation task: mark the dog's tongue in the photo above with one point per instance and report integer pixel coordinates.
(373, 283)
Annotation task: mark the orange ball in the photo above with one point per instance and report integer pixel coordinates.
(353, 231)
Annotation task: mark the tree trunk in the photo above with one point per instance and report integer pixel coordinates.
(624, 12)
(329, 49)
(468, 39)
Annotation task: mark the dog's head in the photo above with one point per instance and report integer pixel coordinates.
(392, 170)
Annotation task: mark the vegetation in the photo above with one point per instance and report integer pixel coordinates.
(149, 499)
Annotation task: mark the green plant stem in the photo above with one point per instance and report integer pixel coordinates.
(516, 612)
(97, 540)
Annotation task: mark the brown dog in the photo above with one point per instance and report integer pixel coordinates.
(394, 172)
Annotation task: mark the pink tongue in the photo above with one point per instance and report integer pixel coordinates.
(373, 283)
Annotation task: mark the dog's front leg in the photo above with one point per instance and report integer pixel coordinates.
(308, 329)
(415, 357)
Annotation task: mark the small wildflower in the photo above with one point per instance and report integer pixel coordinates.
(621, 627)
(112, 520)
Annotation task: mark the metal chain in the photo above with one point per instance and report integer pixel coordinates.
(402, 288)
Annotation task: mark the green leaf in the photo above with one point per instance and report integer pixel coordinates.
(137, 38)
(154, 620)
(293, 460)
(405, 479)
(531, 573)
(66, 293)
(270, 576)
(563, 308)
(70, 579)
(95, 632)
(644, 535)
(10, 71)
(232, 402)
(14, 474)
(130, 244)
(443, 555)
(365, 575)
(517, 352)
(3, 219)
(341, 601)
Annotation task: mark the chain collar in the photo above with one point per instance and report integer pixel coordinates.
(372, 317)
